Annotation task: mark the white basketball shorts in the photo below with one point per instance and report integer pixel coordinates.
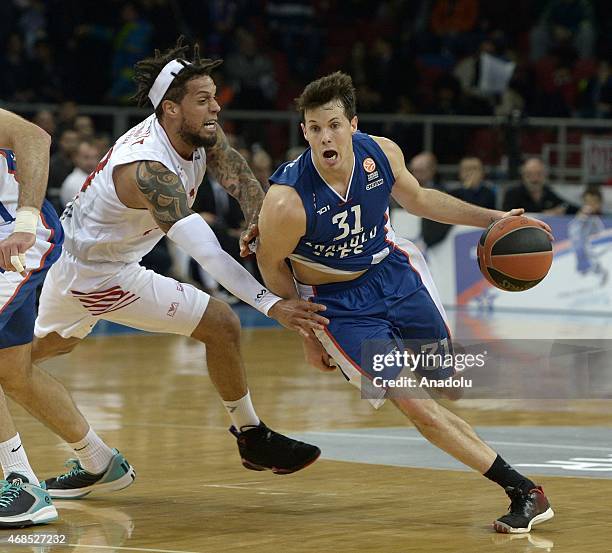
(77, 294)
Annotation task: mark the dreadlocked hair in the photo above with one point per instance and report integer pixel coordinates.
(147, 70)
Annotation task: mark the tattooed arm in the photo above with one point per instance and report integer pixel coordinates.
(163, 193)
(232, 172)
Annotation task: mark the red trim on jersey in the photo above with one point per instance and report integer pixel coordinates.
(42, 263)
(10, 171)
(8, 302)
(346, 355)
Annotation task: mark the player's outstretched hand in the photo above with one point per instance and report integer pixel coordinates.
(13, 249)
(541, 224)
(299, 315)
(246, 237)
(316, 355)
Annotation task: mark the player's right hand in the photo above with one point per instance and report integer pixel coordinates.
(13, 249)
(299, 315)
(316, 355)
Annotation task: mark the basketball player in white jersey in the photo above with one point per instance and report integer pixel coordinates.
(142, 189)
(30, 241)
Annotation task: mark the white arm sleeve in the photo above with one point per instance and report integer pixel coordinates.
(195, 236)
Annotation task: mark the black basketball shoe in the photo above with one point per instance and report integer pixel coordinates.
(526, 510)
(263, 449)
(23, 504)
(77, 482)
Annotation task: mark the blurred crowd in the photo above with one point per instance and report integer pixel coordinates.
(78, 146)
(539, 57)
(405, 56)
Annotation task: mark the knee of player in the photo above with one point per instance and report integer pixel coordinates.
(219, 324)
(50, 346)
(15, 377)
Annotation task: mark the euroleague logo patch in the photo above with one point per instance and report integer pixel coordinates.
(369, 165)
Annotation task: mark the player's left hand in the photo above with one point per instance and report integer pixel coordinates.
(299, 315)
(247, 236)
(13, 249)
(541, 224)
(316, 355)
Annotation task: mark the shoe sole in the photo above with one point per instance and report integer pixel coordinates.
(78, 493)
(42, 516)
(252, 466)
(506, 529)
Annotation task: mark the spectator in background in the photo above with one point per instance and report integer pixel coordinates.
(84, 126)
(562, 23)
(15, 83)
(85, 160)
(131, 42)
(33, 22)
(295, 30)
(582, 230)
(251, 73)
(102, 144)
(453, 21)
(61, 165)
(533, 194)
(222, 19)
(473, 187)
(294, 152)
(596, 98)
(261, 164)
(45, 75)
(45, 120)
(67, 113)
(424, 167)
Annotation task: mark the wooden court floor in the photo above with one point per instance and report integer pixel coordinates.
(150, 397)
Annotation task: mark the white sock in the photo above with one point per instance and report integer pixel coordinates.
(14, 459)
(242, 412)
(93, 453)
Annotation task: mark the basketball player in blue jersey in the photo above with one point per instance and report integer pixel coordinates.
(327, 212)
(30, 241)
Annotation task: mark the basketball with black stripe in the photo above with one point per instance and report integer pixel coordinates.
(514, 254)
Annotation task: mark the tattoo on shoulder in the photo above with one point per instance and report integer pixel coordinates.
(164, 193)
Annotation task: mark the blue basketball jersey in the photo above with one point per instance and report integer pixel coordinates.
(343, 234)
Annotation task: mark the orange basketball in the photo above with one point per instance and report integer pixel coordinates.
(514, 254)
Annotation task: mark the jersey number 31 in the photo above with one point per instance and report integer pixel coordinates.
(345, 229)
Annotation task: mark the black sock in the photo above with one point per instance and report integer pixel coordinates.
(503, 474)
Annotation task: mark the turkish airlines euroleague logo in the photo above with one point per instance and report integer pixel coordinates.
(369, 165)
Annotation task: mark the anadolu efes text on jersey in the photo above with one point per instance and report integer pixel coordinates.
(350, 233)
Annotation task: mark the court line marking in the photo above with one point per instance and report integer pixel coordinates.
(115, 547)
(421, 439)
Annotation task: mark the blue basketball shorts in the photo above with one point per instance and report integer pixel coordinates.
(393, 304)
(17, 293)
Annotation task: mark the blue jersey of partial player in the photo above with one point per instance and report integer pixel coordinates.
(343, 234)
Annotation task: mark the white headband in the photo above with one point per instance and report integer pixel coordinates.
(164, 80)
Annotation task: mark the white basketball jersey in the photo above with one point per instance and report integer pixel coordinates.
(98, 226)
(9, 192)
